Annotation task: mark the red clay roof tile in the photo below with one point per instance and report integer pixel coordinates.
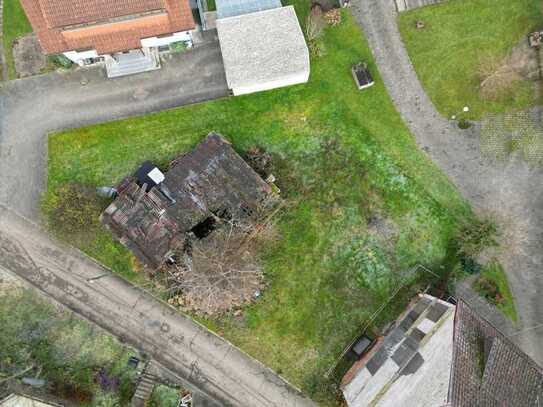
(48, 17)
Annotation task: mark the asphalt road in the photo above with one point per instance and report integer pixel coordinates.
(207, 362)
(511, 193)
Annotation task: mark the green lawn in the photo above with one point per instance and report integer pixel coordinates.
(458, 36)
(342, 157)
(15, 25)
(492, 284)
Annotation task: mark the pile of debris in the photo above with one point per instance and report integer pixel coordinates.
(333, 17)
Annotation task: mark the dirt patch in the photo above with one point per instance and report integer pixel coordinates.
(8, 283)
(524, 60)
(28, 55)
(498, 75)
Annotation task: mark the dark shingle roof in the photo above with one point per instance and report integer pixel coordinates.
(208, 181)
(488, 370)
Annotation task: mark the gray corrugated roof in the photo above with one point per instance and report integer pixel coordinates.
(231, 8)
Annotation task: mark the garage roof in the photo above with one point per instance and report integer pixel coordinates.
(231, 8)
(263, 50)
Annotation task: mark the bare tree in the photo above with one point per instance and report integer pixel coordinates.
(497, 76)
(221, 272)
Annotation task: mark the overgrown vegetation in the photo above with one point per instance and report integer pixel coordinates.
(492, 285)
(164, 396)
(460, 41)
(78, 362)
(364, 205)
(15, 25)
(474, 235)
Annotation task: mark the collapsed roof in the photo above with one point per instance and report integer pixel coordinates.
(209, 181)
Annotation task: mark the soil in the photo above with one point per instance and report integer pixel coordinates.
(28, 55)
(525, 61)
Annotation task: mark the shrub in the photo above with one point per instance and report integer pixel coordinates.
(474, 235)
(164, 396)
(178, 47)
(464, 124)
(469, 265)
(489, 289)
(74, 210)
(61, 61)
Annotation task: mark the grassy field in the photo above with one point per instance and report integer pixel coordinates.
(458, 37)
(15, 25)
(492, 284)
(364, 203)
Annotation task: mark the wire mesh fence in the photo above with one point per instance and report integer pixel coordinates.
(517, 133)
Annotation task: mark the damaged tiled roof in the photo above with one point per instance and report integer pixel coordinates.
(488, 369)
(104, 25)
(61, 13)
(209, 180)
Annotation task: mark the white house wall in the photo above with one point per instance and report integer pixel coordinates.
(76, 56)
(160, 41)
(290, 80)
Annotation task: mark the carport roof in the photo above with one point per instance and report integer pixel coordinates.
(231, 8)
(262, 47)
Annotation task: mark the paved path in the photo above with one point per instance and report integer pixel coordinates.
(513, 193)
(207, 362)
(29, 108)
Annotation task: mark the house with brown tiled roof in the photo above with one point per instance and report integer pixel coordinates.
(126, 34)
(442, 354)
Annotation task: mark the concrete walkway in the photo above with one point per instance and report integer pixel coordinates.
(207, 362)
(512, 193)
(30, 108)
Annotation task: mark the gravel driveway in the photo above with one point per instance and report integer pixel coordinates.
(512, 192)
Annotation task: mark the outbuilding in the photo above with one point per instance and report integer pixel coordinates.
(263, 50)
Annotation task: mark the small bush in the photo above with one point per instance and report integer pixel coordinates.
(474, 235)
(74, 210)
(464, 124)
(164, 396)
(60, 61)
(489, 289)
(178, 47)
(469, 265)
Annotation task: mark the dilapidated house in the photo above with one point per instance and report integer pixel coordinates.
(155, 213)
(440, 354)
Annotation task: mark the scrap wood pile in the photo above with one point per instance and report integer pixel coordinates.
(333, 16)
(221, 272)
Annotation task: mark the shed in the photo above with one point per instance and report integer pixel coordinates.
(211, 180)
(263, 50)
